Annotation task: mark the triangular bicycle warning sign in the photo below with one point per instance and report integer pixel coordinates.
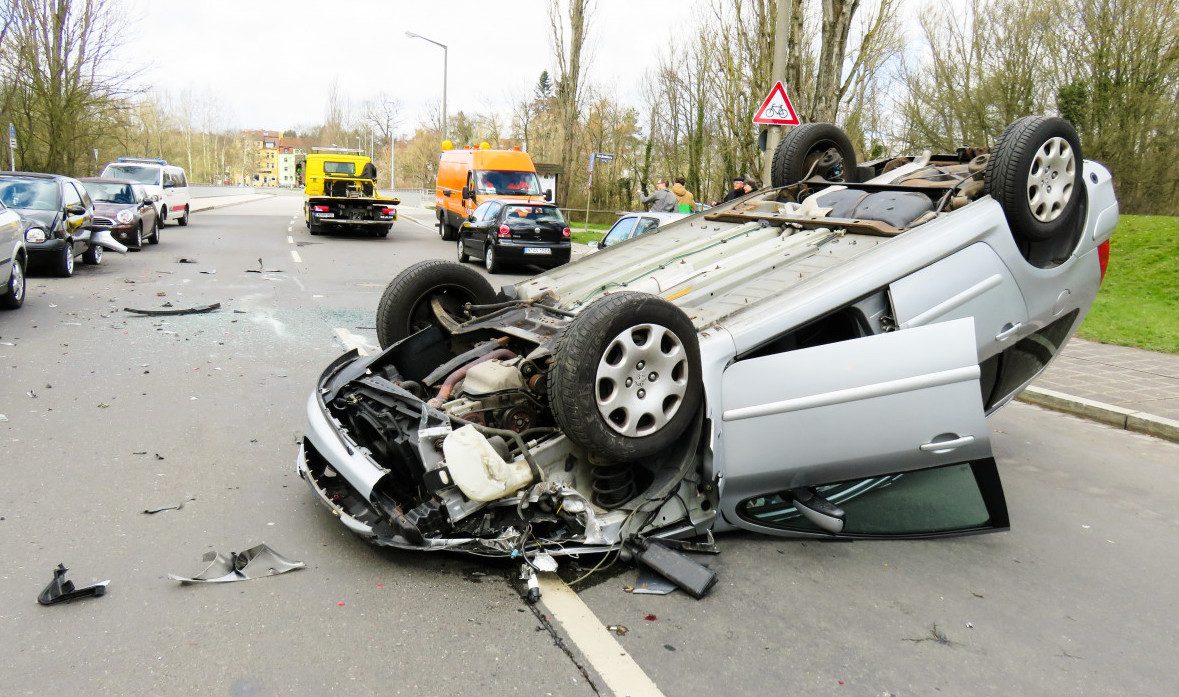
(776, 110)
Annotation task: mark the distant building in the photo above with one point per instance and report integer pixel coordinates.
(291, 153)
(266, 165)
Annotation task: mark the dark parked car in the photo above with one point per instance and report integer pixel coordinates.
(57, 215)
(126, 209)
(502, 232)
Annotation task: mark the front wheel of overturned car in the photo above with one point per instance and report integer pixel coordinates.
(821, 149)
(407, 304)
(625, 381)
(1034, 173)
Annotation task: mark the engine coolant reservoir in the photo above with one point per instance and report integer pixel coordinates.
(478, 470)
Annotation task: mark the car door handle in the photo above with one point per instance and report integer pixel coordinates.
(943, 446)
(1008, 331)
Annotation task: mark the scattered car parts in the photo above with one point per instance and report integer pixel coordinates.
(60, 590)
(254, 562)
(199, 310)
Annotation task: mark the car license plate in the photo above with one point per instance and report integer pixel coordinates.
(325, 215)
(537, 250)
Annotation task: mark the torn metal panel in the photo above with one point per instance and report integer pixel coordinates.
(255, 562)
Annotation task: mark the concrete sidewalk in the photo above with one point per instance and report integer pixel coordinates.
(1126, 387)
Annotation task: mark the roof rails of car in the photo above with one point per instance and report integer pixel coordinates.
(144, 160)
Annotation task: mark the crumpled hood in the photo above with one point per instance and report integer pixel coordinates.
(34, 218)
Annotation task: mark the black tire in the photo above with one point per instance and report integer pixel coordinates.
(405, 303)
(448, 233)
(491, 261)
(1017, 153)
(804, 147)
(575, 386)
(154, 237)
(182, 221)
(383, 232)
(92, 256)
(64, 264)
(138, 237)
(15, 297)
(463, 257)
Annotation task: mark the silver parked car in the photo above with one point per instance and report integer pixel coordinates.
(14, 259)
(633, 225)
(813, 360)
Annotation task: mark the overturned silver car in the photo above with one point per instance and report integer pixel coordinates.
(815, 359)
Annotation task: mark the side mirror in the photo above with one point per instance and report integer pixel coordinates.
(467, 193)
(471, 218)
(148, 200)
(548, 195)
(75, 209)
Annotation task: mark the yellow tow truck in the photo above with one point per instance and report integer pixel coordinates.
(340, 193)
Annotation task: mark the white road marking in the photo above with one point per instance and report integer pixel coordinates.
(353, 341)
(601, 650)
(296, 257)
(290, 227)
(290, 240)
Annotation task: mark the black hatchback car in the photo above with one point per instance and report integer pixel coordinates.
(507, 232)
(57, 214)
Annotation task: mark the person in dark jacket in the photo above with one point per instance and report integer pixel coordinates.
(737, 191)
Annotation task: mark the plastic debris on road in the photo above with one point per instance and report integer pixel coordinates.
(255, 562)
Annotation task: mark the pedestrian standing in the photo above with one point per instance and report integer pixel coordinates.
(751, 185)
(662, 201)
(685, 202)
(737, 191)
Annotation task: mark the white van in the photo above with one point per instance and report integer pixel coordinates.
(166, 182)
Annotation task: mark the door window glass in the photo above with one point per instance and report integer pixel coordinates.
(645, 225)
(621, 231)
(70, 195)
(481, 211)
(939, 500)
(493, 208)
(85, 196)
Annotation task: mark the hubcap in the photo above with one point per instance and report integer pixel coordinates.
(69, 252)
(18, 281)
(490, 258)
(460, 250)
(1051, 179)
(641, 379)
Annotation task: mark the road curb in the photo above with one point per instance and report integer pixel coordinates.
(1119, 417)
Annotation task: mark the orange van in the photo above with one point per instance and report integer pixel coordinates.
(467, 178)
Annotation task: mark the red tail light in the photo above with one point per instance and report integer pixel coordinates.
(388, 210)
(505, 231)
(566, 233)
(320, 209)
(1103, 257)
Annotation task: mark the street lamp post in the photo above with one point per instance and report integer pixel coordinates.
(412, 35)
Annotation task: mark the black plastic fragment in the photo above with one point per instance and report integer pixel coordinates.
(60, 590)
(694, 578)
(201, 309)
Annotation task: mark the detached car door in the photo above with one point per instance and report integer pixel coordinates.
(880, 436)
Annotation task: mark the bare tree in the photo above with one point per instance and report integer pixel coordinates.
(569, 47)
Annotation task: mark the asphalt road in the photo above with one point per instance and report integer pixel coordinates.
(1078, 598)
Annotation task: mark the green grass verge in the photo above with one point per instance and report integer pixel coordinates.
(1138, 304)
(584, 235)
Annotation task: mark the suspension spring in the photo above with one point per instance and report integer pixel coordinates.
(614, 483)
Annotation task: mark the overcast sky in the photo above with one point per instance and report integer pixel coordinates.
(270, 61)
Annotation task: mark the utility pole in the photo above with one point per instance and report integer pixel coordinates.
(782, 20)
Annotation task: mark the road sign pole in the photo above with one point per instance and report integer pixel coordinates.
(785, 12)
(11, 147)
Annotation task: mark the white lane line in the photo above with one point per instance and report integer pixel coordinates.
(601, 650)
(296, 257)
(291, 227)
(290, 240)
(353, 341)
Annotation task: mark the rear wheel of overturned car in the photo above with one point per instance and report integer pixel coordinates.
(625, 381)
(407, 304)
(821, 149)
(1034, 172)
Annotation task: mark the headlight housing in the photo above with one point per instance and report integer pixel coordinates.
(125, 216)
(35, 235)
